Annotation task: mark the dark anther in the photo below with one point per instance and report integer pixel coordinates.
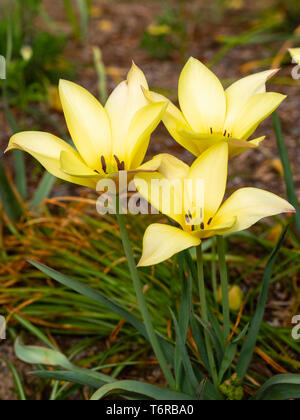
(190, 214)
(121, 165)
(210, 220)
(103, 163)
(225, 133)
(211, 130)
(228, 135)
(187, 219)
(202, 226)
(193, 228)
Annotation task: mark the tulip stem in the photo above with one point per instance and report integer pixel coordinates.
(203, 303)
(225, 288)
(142, 303)
(214, 269)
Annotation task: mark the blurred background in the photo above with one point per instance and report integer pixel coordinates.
(93, 42)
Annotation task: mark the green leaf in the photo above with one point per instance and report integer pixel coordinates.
(16, 378)
(84, 19)
(229, 355)
(21, 182)
(185, 309)
(279, 388)
(34, 330)
(69, 376)
(288, 174)
(135, 387)
(199, 340)
(185, 357)
(41, 355)
(250, 342)
(103, 300)
(43, 190)
(11, 204)
(241, 335)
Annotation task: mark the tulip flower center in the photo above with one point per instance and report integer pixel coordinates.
(107, 169)
(225, 133)
(194, 224)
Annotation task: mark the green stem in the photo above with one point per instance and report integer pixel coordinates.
(225, 288)
(214, 270)
(203, 302)
(142, 303)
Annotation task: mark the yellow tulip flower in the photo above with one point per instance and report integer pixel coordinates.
(243, 209)
(107, 139)
(209, 114)
(295, 53)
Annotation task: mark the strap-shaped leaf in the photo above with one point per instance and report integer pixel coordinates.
(250, 342)
(10, 203)
(135, 387)
(279, 388)
(103, 300)
(41, 355)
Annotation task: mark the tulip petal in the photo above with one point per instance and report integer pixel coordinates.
(168, 166)
(175, 122)
(202, 98)
(163, 194)
(295, 53)
(161, 242)
(87, 122)
(142, 125)
(211, 167)
(47, 149)
(73, 165)
(258, 108)
(238, 94)
(237, 147)
(122, 105)
(250, 205)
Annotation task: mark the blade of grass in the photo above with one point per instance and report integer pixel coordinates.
(43, 189)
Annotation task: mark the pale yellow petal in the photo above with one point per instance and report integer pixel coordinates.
(238, 94)
(237, 147)
(87, 122)
(250, 205)
(73, 165)
(211, 167)
(163, 194)
(47, 149)
(142, 125)
(201, 142)
(161, 242)
(122, 105)
(295, 53)
(202, 98)
(258, 108)
(175, 122)
(167, 165)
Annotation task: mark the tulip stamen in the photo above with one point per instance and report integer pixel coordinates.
(188, 219)
(103, 163)
(225, 132)
(202, 226)
(121, 165)
(210, 220)
(211, 130)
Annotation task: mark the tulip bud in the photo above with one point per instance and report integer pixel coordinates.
(235, 297)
